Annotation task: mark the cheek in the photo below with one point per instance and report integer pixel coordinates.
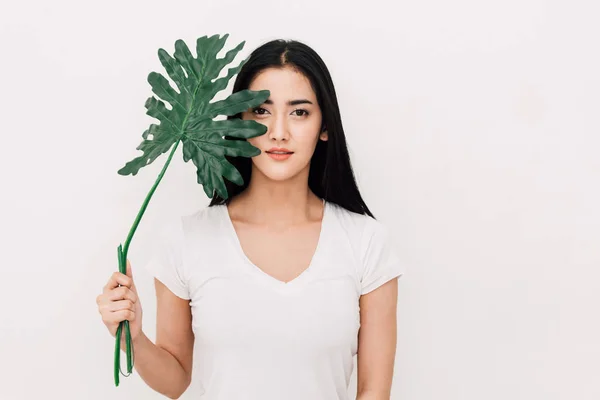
(305, 135)
(308, 141)
(262, 142)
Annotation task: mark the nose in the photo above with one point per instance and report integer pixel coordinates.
(278, 129)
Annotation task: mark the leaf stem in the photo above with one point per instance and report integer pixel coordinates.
(146, 201)
(122, 254)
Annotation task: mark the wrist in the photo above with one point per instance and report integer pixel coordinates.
(136, 341)
(141, 337)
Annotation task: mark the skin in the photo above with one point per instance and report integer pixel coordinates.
(277, 204)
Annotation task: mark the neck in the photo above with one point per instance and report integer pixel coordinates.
(278, 202)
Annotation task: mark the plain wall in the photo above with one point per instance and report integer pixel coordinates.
(474, 133)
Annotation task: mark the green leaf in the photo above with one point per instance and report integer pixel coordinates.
(190, 117)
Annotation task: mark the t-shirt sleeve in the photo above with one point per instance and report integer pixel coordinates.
(380, 261)
(166, 260)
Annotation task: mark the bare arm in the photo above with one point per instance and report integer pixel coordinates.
(167, 365)
(377, 342)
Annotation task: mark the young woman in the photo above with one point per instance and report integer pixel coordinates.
(271, 292)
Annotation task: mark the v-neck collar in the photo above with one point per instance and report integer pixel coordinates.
(267, 278)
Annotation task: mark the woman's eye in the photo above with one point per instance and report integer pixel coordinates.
(254, 111)
(301, 110)
(261, 111)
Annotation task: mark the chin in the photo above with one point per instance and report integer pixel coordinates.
(280, 173)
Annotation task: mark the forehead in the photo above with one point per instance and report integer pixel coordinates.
(283, 83)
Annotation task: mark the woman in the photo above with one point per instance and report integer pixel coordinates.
(265, 292)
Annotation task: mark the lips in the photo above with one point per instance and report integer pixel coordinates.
(279, 150)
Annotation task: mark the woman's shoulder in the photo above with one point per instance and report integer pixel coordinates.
(362, 230)
(354, 222)
(205, 213)
(373, 246)
(204, 220)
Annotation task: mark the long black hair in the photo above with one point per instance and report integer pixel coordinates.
(330, 176)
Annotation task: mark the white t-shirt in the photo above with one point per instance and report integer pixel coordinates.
(258, 338)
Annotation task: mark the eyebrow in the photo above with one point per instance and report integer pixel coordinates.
(291, 102)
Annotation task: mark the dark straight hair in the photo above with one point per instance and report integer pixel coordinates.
(330, 176)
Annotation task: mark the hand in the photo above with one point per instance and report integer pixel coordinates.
(118, 303)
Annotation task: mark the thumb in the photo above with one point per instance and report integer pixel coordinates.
(129, 273)
(128, 270)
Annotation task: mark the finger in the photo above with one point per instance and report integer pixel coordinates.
(121, 305)
(121, 315)
(117, 279)
(121, 293)
(128, 270)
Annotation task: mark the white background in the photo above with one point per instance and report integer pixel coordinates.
(473, 128)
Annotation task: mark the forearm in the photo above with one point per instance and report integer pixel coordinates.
(158, 368)
(372, 395)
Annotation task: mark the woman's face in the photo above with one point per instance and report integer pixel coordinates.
(293, 119)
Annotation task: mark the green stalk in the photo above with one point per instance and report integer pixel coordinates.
(122, 257)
